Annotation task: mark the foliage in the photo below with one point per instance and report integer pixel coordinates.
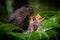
(49, 30)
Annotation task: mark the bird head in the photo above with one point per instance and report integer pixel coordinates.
(31, 20)
(38, 17)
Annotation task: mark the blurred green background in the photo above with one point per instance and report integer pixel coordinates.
(48, 9)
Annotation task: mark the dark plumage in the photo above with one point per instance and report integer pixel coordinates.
(21, 16)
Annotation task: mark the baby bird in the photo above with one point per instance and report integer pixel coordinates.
(31, 25)
(37, 22)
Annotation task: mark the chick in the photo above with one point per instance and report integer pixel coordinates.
(37, 22)
(31, 25)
